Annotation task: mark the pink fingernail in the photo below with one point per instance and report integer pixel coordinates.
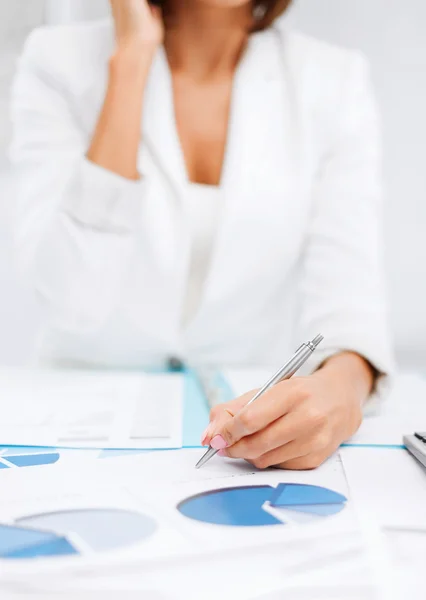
(221, 453)
(218, 443)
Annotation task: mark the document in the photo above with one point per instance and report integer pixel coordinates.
(390, 484)
(402, 412)
(121, 523)
(79, 409)
(206, 503)
(53, 520)
(331, 568)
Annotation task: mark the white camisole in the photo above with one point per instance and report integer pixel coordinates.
(203, 204)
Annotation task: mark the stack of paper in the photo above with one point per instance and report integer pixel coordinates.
(123, 523)
(70, 409)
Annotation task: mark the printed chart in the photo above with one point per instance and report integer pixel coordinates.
(73, 532)
(254, 506)
(91, 409)
(13, 458)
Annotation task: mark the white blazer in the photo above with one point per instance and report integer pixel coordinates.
(298, 250)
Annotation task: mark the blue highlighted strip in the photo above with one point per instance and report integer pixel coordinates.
(388, 446)
(33, 460)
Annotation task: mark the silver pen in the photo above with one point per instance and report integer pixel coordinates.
(286, 371)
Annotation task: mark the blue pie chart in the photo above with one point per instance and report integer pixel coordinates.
(254, 506)
(73, 532)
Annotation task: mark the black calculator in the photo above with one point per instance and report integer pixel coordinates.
(416, 444)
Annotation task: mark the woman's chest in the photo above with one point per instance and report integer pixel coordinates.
(202, 112)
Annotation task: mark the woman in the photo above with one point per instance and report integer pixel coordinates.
(199, 183)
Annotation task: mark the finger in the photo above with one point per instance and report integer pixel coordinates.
(221, 413)
(283, 431)
(257, 416)
(292, 451)
(218, 423)
(306, 453)
(305, 463)
(233, 406)
(314, 459)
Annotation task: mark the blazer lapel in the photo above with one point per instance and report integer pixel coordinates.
(261, 129)
(159, 132)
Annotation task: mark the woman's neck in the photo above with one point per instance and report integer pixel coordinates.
(205, 41)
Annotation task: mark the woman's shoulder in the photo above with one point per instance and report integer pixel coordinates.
(324, 74)
(314, 52)
(316, 61)
(71, 48)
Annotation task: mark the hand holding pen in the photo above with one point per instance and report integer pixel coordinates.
(297, 423)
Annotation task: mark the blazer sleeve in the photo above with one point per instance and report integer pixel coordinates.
(342, 283)
(76, 222)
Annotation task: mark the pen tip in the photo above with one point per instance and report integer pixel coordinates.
(206, 457)
(202, 461)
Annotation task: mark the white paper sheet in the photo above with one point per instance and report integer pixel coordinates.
(403, 412)
(29, 501)
(244, 560)
(390, 484)
(164, 479)
(71, 409)
(290, 570)
(247, 563)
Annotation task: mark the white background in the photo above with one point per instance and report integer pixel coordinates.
(392, 34)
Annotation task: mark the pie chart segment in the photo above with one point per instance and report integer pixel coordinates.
(74, 532)
(253, 506)
(240, 506)
(322, 510)
(15, 538)
(101, 530)
(295, 494)
(56, 547)
(22, 542)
